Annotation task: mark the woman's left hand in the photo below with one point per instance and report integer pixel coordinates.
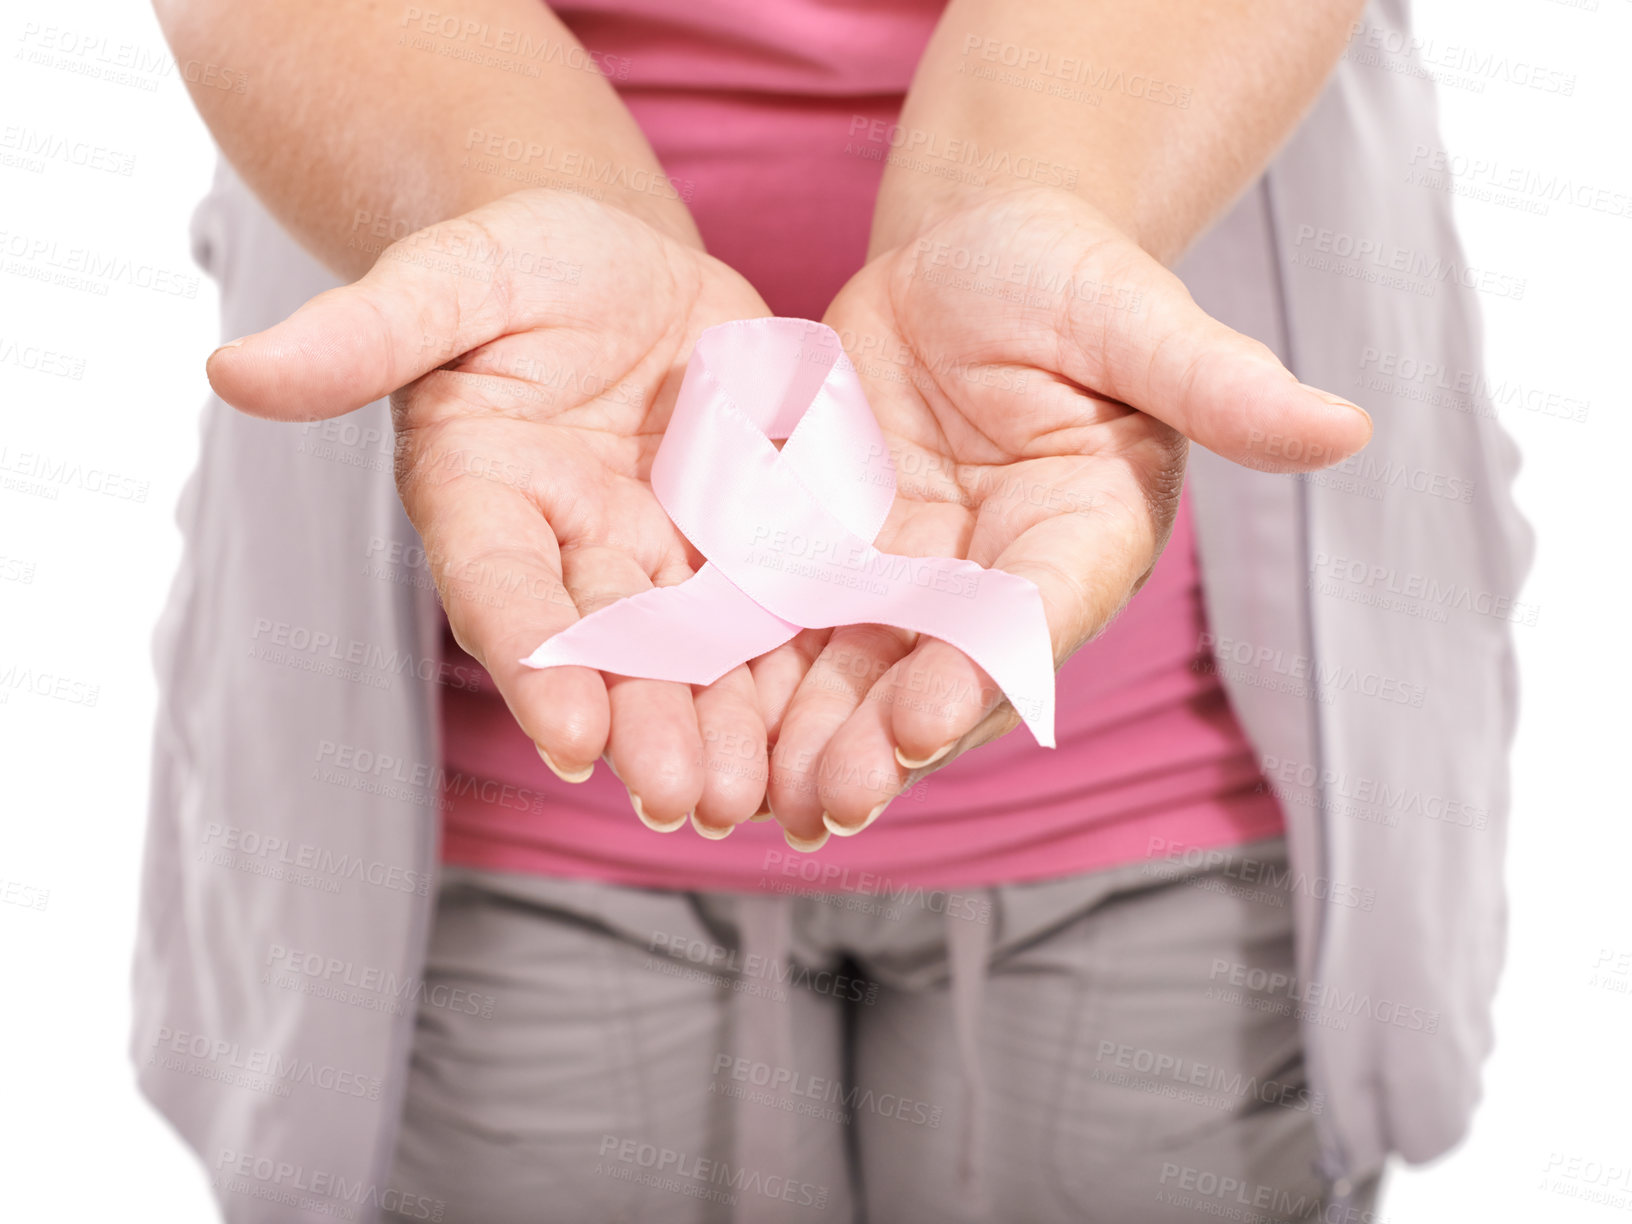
(1036, 375)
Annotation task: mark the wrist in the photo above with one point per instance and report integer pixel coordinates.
(662, 207)
(907, 210)
(906, 217)
(654, 199)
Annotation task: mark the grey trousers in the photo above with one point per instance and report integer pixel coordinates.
(1105, 1047)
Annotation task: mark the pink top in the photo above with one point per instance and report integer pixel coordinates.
(787, 137)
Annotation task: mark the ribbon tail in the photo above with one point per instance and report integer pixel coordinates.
(1021, 661)
(692, 633)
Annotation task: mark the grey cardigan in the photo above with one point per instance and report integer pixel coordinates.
(1361, 620)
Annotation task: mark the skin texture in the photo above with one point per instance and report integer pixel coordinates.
(1045, 437)
(532, 350)
(533, 344)
(1140, 173)
(344, 124)
(1178, 106)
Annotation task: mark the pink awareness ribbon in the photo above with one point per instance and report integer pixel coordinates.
(788, 534)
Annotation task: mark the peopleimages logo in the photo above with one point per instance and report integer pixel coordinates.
(828, 878)
(823, 1090)
(77, 267)
(1390, 474)
(55, 473)
(716, 959)
(300, 641)
(575, 163)
(1322, 996)
(1329, 677)
(1378, 257)
(242, 847)
(517, 43)
(1432, 58)
(959, 151)
(852, 561)
(257, 1061)
(335, 972)
(15, 678)
(685, 1168)
(1226, 1197)
(40, 360)
(37, 146)
(1464, 390)
(1431, 590)
(1165, 852)
(1073, 70)
(1293, 782)
(316, 1190)
(1233, 1085)
(1490, 180)
(1042, 279)
(100, 57)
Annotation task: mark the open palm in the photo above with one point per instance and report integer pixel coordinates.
(1037, 376)
(533, 350)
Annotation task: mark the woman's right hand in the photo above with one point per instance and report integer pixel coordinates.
(532, 350)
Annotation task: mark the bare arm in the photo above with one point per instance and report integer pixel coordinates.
(365, 120)
(527, 400)
(1052, 157)
(1158, 113)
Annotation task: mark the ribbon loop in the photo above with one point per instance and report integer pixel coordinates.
(788, 534)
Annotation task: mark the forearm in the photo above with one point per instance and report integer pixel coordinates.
(358, 124)
(1157, 113)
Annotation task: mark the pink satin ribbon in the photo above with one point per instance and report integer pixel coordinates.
(788, 534)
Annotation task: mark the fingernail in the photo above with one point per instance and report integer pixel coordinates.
(763, 814)
(838, 830)
(230, 344)
(581, 776)
(709, 831)
(909, 763)
(1336, 401)
(652, 824)
(803, 846)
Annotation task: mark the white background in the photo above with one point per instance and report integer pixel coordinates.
(82, 579)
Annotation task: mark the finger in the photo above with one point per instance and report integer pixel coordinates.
(1085, 566)
(777, 675)
(502, 600)
(735, 770)
(654, 745)
(932, 700)
(862, 771)
(859, 774)
(846, 670)
(352, 345)
(1221, 389)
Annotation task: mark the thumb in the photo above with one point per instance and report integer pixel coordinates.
(414, 310)
(1167, 357)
